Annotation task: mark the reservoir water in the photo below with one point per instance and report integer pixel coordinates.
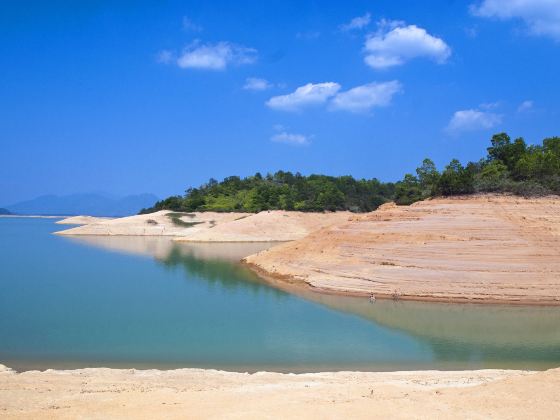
(151, 303)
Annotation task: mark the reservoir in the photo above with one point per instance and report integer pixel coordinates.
(147, 302)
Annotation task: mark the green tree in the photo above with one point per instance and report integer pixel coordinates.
(455, 180)
(428, 176)
(408, 191)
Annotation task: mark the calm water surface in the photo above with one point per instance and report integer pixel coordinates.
(146, 302)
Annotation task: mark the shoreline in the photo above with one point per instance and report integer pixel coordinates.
(289, 282)
(122, 393)
(458, 373)
(431, 251)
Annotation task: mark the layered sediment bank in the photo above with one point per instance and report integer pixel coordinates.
(495, 249)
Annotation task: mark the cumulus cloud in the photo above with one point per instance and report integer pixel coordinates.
(472, 120)
(307, 95)
(365, 97)
(255, 83)
(215, 56)
(542, 17)
(525, 106)
(394, 44)
(290, 138)
(356, 23)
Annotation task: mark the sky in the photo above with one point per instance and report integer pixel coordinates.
(128, 97)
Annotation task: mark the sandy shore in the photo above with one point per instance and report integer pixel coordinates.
(196, 393)
(269, 226)
(266, 226)
(83, 220)
(489, 249)
(155, 224)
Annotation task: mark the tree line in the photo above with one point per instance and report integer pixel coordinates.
(282, 191)
(509, 167)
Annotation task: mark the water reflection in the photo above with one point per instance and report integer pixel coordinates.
(457, 332)
(161, 247)
(487, 335)
(213, 262)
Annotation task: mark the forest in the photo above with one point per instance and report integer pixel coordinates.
(509, 167)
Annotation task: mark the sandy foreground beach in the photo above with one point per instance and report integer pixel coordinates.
(196, 393)
(489, 249)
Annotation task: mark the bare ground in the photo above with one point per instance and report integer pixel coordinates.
(473, 249)
(195, 393)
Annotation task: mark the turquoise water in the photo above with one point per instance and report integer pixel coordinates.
(146, 302)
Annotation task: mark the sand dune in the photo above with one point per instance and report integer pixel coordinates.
(196, 393)
(155, 224)
(268, 226)
(83, 220)
(479, 248)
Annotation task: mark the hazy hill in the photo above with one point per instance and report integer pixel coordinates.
(88, 204)
(4, 211)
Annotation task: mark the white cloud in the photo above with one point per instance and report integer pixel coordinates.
(542, 17)
(365, 97)
(189, 25)
(289, 138)
(255, 83)
(357, 23)
(215, 56)
(309, 94)
(525, 106)
(472, 120)
(395, 44)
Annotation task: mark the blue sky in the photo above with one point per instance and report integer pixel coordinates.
(129, 97)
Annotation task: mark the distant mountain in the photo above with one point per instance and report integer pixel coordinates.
(88, 204)
(4, 211)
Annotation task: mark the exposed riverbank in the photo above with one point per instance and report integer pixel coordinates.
(488, 249)
(83, 220)
(208, 393)
(266, 226)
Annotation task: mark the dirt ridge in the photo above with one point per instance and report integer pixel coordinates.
(490, 249)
